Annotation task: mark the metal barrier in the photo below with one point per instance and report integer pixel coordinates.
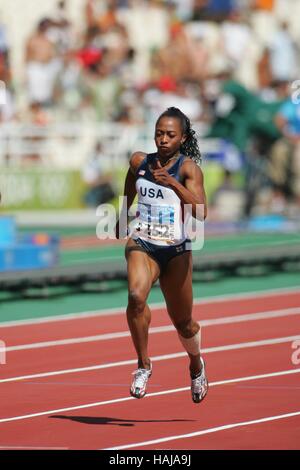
(208, 266)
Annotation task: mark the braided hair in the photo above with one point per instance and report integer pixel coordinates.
(190, 147)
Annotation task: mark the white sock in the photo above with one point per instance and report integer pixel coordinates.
(191, 345)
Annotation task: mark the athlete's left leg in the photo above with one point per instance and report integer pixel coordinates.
(176, 285)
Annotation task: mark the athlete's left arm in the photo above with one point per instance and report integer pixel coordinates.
(192, 190)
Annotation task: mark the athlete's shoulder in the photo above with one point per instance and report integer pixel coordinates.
(136, 160)
(190, 166)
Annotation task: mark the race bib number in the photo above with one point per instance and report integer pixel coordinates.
(155, 222)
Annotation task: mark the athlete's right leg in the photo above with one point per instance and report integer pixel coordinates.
(142, 271)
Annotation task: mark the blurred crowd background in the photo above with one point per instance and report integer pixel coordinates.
(86, 80)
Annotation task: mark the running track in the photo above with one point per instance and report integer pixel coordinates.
(65, 384)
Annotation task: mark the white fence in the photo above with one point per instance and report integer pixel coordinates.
(69, 145)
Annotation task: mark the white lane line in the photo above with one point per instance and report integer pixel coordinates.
(205, 431)
(158, 329)
(149, 395)
(228, 347)
(154, 306)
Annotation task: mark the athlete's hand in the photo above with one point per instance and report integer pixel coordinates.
(161, 175)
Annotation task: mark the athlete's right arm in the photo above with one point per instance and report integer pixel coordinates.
(129, 189)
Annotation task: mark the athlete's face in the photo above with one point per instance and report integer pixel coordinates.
(168, 136)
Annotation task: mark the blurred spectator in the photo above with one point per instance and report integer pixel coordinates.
(104, 15)
(213, 10)
(263, 20)
(283, 54)
(173, 60)
(104, 90)
(247, 121)
(70, 87)
(285, 156)
(235, 38)
(225, 63)
(264, 74)
(145, 40)
(233, 111)
(4, 54)
(7, 100)
(43, 65)
(241, 48)
(98, 179)
(183, 94)
(131, 108)
(184, 9)
(91, 52)
(60, 31)
(3, 39)
(241, 114)
(118, 52)
(228, 201)
(39, 118)
(266, 5)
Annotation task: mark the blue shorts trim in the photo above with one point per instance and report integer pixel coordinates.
(162, 254)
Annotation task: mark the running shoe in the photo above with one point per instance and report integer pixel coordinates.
(139, 383)
(199, 386)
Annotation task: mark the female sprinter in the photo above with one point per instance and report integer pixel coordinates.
(157, 248)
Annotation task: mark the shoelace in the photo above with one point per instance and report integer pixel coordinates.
(141, 376)
(198, 384)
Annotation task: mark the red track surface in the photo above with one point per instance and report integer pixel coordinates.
(157, 417)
